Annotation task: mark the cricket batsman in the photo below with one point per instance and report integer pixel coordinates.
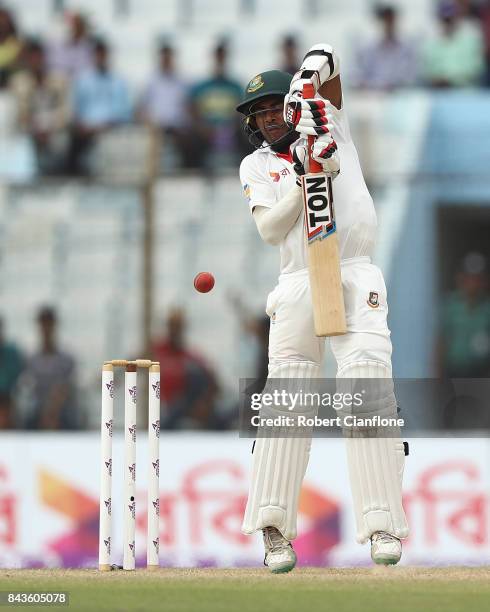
(277, 121)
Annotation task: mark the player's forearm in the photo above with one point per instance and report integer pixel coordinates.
(275, 223)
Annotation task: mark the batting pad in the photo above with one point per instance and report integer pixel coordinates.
(375, 463)
(279, 463)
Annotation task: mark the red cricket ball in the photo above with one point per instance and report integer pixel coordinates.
(204, 282)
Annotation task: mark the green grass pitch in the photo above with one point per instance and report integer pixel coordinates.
(397, 589)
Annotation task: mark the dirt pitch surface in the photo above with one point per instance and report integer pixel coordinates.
(387, 589)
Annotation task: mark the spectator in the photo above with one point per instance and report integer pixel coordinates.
(254, 367)
(289, 50)
(72, 56)
(10, 47)
(454, 57)
(213, 103)
(122, 8)
(42, 107)
(485, 24)
(469, 8)
(188, 387)
(248, 7)
(100, 102)
(10, 369)
(257, 328)
(50, 377)
(464, 346)
(390, 62)
(6, 412)
(165, 100)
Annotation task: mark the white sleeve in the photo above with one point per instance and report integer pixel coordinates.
(274, 224)
(256, 187)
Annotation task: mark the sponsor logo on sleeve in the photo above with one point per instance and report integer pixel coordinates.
(246, 191)
(276, 176)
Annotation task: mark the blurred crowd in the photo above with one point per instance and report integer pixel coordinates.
(463, 349)
(41, 390)
(456, 55)
(38, 391)
(67, 95)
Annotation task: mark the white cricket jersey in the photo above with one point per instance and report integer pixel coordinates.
(267, 177)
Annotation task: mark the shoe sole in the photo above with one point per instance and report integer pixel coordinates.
(386, 561)
(283, 570)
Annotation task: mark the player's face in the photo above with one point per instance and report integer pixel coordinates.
(268, 115)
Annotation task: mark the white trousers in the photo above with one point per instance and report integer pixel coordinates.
(292, 335)
(364, 351)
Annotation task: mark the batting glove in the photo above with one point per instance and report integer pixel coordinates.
(324, 151)
(307, 117)
(320, 65)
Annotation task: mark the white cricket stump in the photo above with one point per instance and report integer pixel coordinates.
(129, 480)
(153, 501)
(107, 419)
(129, 497)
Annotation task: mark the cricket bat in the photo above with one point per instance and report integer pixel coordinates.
(322, 245)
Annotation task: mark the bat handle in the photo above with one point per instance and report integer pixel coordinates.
(309, 92)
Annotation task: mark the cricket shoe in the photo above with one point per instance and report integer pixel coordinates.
(279, 554)
(386, 549)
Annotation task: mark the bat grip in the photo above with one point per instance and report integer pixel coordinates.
(309, 92)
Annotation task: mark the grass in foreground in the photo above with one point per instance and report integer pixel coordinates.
(399, 589)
